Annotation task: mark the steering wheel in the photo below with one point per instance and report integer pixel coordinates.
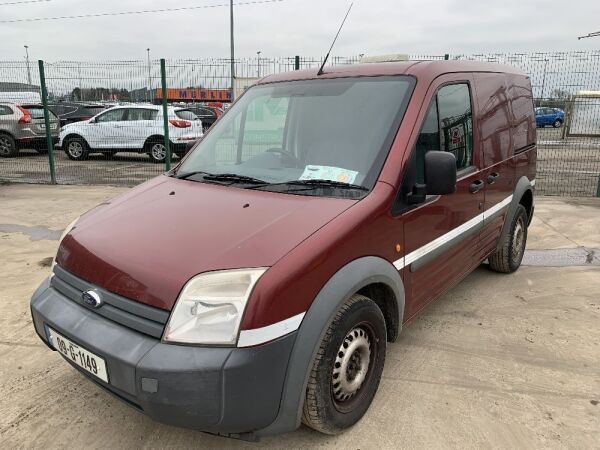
(284, 153)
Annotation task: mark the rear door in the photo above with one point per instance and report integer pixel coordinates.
(138, 127)
(441, 236)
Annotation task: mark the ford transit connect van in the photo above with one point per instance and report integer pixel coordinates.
(318, 216)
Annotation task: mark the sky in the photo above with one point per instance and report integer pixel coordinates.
(295, 27)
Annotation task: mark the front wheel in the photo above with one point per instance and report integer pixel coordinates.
(76, 149)
(510, 253)
(347, 368)
(557, 123)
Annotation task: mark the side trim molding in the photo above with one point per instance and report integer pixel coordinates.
(249, 338)
(454, 236)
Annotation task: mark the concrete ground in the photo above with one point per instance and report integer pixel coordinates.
(501, 361)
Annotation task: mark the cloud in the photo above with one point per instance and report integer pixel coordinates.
(303, 27)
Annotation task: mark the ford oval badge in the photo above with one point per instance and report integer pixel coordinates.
(91, 299)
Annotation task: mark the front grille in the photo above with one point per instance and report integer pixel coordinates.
(142, 318)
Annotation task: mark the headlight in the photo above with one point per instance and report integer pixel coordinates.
(67, 231)
(210, 307)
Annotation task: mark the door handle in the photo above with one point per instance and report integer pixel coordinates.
(476, 186)
(493, 177)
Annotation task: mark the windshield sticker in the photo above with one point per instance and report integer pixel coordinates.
(329, 173)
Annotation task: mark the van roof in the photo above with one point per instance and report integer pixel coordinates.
(420, 69)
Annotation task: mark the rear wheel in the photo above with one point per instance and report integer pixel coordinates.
(347, 368)
(8, 146)
(76, 148)
(509, 255)
(157, 151)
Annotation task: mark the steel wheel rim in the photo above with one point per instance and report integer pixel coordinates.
(351, 366)
(75, 149)
(4, 146)
(518, 240)
(159, 151)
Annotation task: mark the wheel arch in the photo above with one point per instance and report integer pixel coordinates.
(366, 275)
(154, 138)
(522, 195)
(75, 135)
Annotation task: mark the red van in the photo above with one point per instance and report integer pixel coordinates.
(257, 285)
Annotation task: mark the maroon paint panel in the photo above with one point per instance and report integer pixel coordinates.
(149, 242)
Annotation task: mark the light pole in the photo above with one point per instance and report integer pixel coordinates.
(544, 78)
(27, 59)
(258, 63)
(232, 46)
(149, 77)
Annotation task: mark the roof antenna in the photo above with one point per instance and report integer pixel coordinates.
(320, 72)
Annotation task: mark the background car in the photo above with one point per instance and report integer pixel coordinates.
(549, 116)
(23, 126)
(207, 114)
(69, 112)
(130, 129)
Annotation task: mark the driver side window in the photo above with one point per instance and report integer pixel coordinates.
(264, 126)
(448, 126)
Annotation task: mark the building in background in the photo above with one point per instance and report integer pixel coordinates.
(19, 92)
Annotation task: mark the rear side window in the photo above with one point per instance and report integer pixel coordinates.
(205, 112)
(141, 114)
(5, 110)
(186, 115)
(448, 126)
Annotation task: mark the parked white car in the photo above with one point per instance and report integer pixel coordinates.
(130, 128)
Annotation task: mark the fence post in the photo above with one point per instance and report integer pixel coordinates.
(598, 188)
(49, 141)
(297, 62)
(163, 80)
(447, 56)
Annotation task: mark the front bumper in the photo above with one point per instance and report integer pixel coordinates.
(220, 390)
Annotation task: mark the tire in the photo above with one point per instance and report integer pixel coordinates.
(337, 398)
(8, 146)
(157, 151)
(76, 148)
(509, 255)
(557, 123)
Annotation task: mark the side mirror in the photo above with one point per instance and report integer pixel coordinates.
(440, 173)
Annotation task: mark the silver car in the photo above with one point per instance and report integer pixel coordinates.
(22, 126)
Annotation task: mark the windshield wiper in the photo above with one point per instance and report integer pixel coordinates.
(183, 176)
(234, 178)
(314, 184)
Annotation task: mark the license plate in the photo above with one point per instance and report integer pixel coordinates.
(85, 359)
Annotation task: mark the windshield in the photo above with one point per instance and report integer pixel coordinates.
(336, 130)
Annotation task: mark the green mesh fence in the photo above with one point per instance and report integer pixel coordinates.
(127, 143)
